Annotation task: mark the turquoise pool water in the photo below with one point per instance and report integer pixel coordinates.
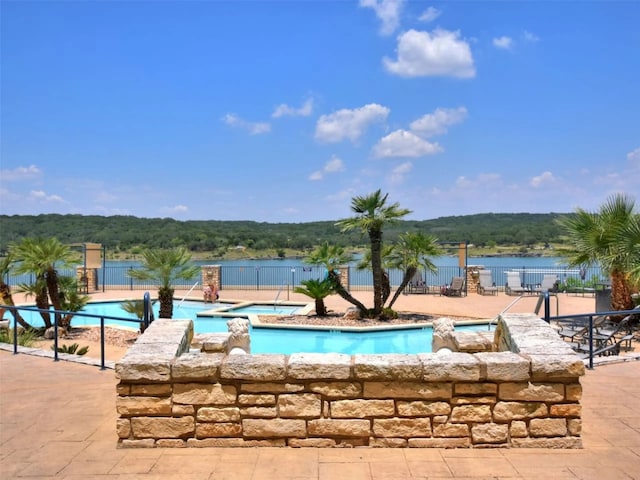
(275, 340)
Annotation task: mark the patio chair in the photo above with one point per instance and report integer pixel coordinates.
(486, 285)
(606, 350)
(455, 288)
(417, 284)
(514, 284)
(549, 284)
(578, 331)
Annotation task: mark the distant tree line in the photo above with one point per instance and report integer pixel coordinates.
(126, 233)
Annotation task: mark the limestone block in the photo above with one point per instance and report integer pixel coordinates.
(548, 427)
(155, 390)
(337, 389)
(276, 427)
(162, 427)
(503, 366)
(182, 410)
(143, 406)
(259, 412)
(324, 427)
(545, 367)
(299, 405)
(211, 342)
(261, 367)
(439, 419)
(335, 366)
(507, 411)
(443, 329)
(387, 367)
(518, 429)
(239, 334)
(566, 410)
(471, 413)
(558, 442)
(402, 427)
(171, 443)
(144, 368)
(574, 425)
(312, 442)
(218, 414)
(421, 408)
(257, 399)
(451, 430)
(413, 390)
(123, 389)
(489, 433)
(271, 387)
(217, 430)
(448, 367)
(531, 392)
(473, 342)
(573, 392)
(128, 443)
(486, 400)
(196, 366)
(204, 394)
(440, 442)
(123, 427)
(362, 408)
(475, 389)
(234, 442)
(387, 442)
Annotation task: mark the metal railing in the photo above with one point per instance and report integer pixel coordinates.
(575, 318)
(57, 314)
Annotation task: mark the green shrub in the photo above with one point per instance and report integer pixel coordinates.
(72, 349)
(26, 338)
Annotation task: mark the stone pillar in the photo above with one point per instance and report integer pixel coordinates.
(87, 279)
(211, 273)
(473, 278)
(344, 276)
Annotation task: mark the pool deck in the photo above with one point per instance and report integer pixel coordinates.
(57, 420)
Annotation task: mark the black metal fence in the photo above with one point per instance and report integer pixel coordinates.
(250, 277)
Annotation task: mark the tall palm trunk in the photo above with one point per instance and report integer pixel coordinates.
(375, 236)
(340, 290)
(620, 291)
(165, 295)
(7, 299)
(408, 275)
(51, 278)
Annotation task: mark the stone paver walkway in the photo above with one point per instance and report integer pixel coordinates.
(57, 420)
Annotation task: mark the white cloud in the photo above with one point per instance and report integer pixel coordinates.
(285, 110)
(333, 165)
(402, 143)
(545, 178)
(399, 172)
(436, 123)
(505, 43)
(20, 173)
(429, 15)
(441, 53)
(349, 124)
(175, 209)
(42, 196)
(530, 37)
(254, 128)
(634, 157)
(388, 11)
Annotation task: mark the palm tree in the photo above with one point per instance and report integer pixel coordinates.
(164, 267)
(331, 257)
(6, 298)
(42, 257)
(372, 214)
(608, 237)
(318, 290)
(411, 253)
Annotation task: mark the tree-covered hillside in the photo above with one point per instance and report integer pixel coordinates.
(124, 233)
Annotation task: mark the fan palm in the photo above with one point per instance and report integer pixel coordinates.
(164, 267)
(6, 298)
(372, 214)
(611, 238)
(318, 290)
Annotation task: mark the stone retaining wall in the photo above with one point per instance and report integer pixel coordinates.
(525, 395)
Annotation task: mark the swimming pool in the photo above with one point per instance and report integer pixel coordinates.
(212, 318)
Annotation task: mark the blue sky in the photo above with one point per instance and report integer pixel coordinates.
(282, 111)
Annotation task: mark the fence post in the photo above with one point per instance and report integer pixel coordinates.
(547, 307)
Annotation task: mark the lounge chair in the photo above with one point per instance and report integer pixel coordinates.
(514, 284)
(579, 331)
(486, 285)
(549, 284)
(455, 288)
(417, 284)
(611, 349)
